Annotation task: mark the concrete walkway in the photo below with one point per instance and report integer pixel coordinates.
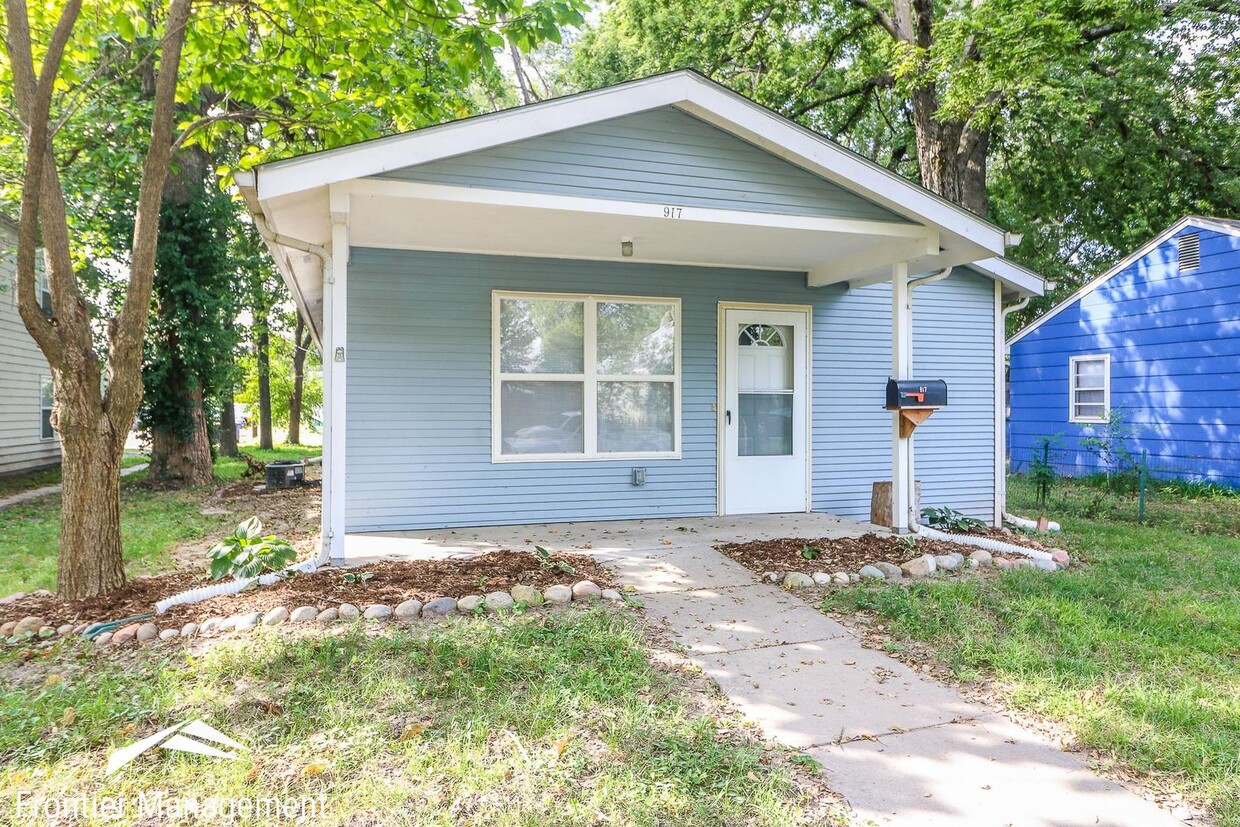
(902, 749)
(36, 493)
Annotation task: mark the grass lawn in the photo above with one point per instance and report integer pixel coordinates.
(152, 524)
(556, 718)
(1137, 653)
(17, 483)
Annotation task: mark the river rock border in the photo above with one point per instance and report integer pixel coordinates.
(918, 568)
(518, 598)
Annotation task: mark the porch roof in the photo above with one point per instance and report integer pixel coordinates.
(296, 202)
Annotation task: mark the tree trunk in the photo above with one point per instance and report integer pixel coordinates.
(90, 561)
(264, 386)
(228, 425)
(299, 381)
(951, 155)
(177, 460)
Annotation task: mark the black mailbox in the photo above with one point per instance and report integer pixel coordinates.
(916, 394)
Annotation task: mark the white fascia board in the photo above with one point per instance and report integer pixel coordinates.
(279, 255)
(1021, 279)
(469, 135)
(635, 209)
(686, 90)
(1126, 262)
(846, 268)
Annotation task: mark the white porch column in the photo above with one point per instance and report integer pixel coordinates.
(335, 352)
(901, 368)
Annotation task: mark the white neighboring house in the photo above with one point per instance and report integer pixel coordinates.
(27, 440)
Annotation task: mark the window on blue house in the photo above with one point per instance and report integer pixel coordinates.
(1090, 393)
(585, 377)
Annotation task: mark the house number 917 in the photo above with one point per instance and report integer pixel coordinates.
(671, 212)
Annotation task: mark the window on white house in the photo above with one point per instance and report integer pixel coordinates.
(585, 377)
(1091, 388)
(42, 291)
(45, 408)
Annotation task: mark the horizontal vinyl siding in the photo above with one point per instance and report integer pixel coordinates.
(661, 156)
(21, 368)
(418, 437)
(1174, 343)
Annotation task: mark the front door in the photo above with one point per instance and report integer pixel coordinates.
(765, 451)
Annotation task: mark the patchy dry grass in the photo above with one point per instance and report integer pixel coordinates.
(557, 718)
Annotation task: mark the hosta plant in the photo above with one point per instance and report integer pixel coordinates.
(247, 553)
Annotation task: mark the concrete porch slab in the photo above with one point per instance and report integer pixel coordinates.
(985, 772)
(810, 694)
(663, 570)
(748, 617)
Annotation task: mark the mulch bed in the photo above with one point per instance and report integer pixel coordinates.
(392, 583)
(847, 554)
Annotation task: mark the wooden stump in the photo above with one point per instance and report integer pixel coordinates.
(880, 503)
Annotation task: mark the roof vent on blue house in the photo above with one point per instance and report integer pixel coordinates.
(1190, 251)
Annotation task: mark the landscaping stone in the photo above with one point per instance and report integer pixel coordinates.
(1004, 563)
(499, 601)
(1023, 563)
(558, 594)
(30, 624)
(248, 621)
(46, 632)
(377, 612)
(303, 614)
(439, 606)
(982, 558)
(12, 598)
(65, 629)
(871, 573)
(841, 577)
(949, 562)
(854, 577)
(822, 578)
(275, 616)
(209, 625)
(797, 580)
(189, 630)
(526, 594)
(408, 609)
(772, 576)
(81, 628)
(41, 593)
(890, 570)
(922, 566)
(169, 634)
(124, 635)
(227, 624)
(104, 639)
(1045, 565)
(612, 594)
(586, 590)
(1061, 557)
(348, 611)
(469, 604)
(328, 616)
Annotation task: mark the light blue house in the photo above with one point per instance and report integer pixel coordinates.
(653, 300)
(1154, 343)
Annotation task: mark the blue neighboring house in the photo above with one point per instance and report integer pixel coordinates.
(1156, 339)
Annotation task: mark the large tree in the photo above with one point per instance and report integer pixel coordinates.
(282, 73)
(1085, 124)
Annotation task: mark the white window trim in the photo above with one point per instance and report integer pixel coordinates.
(48, 380)
(590, 378)
(1105, 358)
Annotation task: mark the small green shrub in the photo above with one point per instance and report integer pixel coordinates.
(246, 553)
(949, 519)
(811, 553)
(547, 564)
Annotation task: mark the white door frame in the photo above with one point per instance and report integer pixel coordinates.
(721, 402)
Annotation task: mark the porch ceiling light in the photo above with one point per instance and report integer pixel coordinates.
(626, 247)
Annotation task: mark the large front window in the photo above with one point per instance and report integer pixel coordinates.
(585, 377)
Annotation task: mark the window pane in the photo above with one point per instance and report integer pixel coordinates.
(541, 418)
(1098, 397)
(541, 336)
(46, 424)
(1090, 412)
(1090, 373)
(765, 424)
(636, 417)
(45, 392)
(636, 339)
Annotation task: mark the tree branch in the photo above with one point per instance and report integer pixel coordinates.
(868, 85)
(878, 15)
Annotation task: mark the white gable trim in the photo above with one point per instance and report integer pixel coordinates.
(1228, 227)
(1013, 275)
(686, 90)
